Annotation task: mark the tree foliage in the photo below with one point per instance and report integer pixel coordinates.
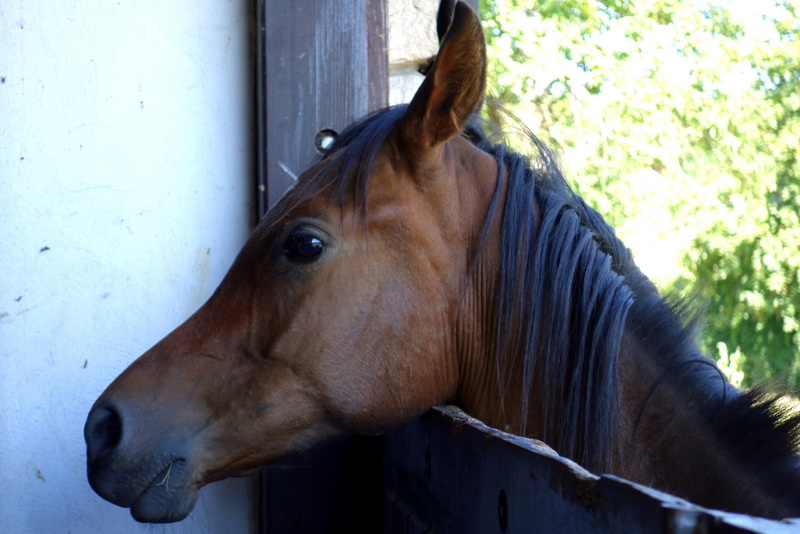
(679, 121)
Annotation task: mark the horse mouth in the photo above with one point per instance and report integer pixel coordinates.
(169, 497)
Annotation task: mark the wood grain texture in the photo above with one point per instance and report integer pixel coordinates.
(449, 473)
(322, 64)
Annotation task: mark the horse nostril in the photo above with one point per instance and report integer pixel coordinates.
(103, 431)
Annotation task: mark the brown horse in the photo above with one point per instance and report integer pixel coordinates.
(412, 265)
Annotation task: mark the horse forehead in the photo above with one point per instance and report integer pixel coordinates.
(393, 185)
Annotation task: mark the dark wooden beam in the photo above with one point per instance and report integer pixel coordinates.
(322, 65)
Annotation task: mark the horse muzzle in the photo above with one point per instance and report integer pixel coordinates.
(135, 468)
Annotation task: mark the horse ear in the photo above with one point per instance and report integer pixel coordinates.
(444, 17)
(454, 87)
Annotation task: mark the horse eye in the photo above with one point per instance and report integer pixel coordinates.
(302, 246)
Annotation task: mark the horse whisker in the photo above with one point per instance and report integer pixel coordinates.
(165, 481)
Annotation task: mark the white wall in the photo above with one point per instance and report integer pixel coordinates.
(412, 42)
(125, 178)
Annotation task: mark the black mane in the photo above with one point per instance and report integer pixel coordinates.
(563, 305)
(568, 289)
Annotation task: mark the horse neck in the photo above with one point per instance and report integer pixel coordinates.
(544, 323)
(483, 390)
(479, 389)
(682, 431)
(664, 436)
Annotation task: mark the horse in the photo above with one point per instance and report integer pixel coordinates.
(416, 263)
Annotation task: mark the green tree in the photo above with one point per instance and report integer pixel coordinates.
(679, 121)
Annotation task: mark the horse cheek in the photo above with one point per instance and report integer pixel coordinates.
(390, 375)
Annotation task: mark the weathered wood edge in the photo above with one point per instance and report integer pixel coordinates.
(681, 515)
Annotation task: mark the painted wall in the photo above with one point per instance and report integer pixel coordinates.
(412, 44)
(125, 192)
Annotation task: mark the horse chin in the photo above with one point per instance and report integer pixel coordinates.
(166, 495)
(169, 497)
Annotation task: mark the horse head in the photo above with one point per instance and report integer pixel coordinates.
(337, 317)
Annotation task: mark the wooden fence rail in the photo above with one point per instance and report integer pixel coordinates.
(449, 473)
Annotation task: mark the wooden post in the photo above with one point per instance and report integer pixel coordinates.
(321, 64)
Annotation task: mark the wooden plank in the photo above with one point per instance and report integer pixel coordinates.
(322, 65)
(331, 489)
(449, 473)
